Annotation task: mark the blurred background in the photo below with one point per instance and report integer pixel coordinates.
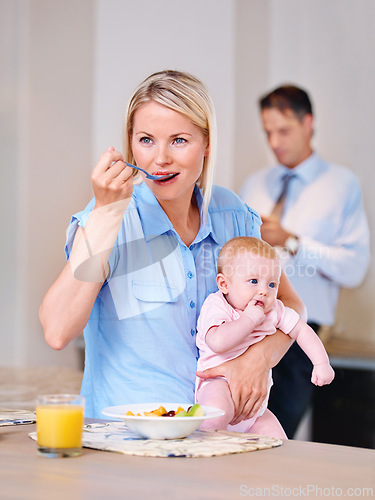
(67, 68)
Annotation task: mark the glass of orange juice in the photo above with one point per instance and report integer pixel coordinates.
(59, 424)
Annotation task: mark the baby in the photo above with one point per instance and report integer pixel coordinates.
(243, 311)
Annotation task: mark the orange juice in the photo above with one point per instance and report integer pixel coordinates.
(59, 425)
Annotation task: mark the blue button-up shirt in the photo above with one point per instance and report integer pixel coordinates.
(324, 208)
(140, 338)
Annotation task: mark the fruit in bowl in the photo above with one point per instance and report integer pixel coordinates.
(193, 411)
(152, 420)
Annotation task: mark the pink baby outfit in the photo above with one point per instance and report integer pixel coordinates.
(216, 311)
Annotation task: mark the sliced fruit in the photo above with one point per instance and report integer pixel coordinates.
(193, 411)
(171, 413)
(196, 411)
(156, 413)
(181, 413)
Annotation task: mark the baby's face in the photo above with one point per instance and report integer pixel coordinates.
(253, 277)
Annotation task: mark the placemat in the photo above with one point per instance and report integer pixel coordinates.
(16, 417)
(115, 436)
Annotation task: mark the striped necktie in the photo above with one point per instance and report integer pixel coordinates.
(278, 208)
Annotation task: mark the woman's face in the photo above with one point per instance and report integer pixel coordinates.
(165, 142)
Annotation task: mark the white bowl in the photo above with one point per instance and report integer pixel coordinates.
(160, 427)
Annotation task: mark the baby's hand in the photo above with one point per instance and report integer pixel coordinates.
(254, 312)
(322, 374)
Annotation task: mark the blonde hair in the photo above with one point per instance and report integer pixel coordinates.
(188, 96)
(243, 244)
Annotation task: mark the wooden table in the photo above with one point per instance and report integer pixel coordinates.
(295, 469)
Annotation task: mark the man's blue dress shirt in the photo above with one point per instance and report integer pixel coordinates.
(324, 208)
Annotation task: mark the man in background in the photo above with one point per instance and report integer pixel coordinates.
(312, 212)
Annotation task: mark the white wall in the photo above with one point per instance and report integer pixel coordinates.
(9, 87)
(46, 96)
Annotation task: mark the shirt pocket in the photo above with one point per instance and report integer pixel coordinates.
(145, 290)
(152, 291)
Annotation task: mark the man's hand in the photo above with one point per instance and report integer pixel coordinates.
(272, 231)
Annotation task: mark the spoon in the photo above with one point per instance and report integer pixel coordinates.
(150, 176)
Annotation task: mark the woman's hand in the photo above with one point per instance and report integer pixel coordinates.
(111, 179)
(247, 375)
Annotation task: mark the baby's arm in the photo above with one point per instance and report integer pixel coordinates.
(228, 335)
(311, 344)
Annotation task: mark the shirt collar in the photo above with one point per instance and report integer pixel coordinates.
(153, 218)
(155, 221)
(306, 171)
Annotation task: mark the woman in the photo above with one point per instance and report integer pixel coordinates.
(142, 259)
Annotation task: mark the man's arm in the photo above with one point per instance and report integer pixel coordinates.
(345, 259)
